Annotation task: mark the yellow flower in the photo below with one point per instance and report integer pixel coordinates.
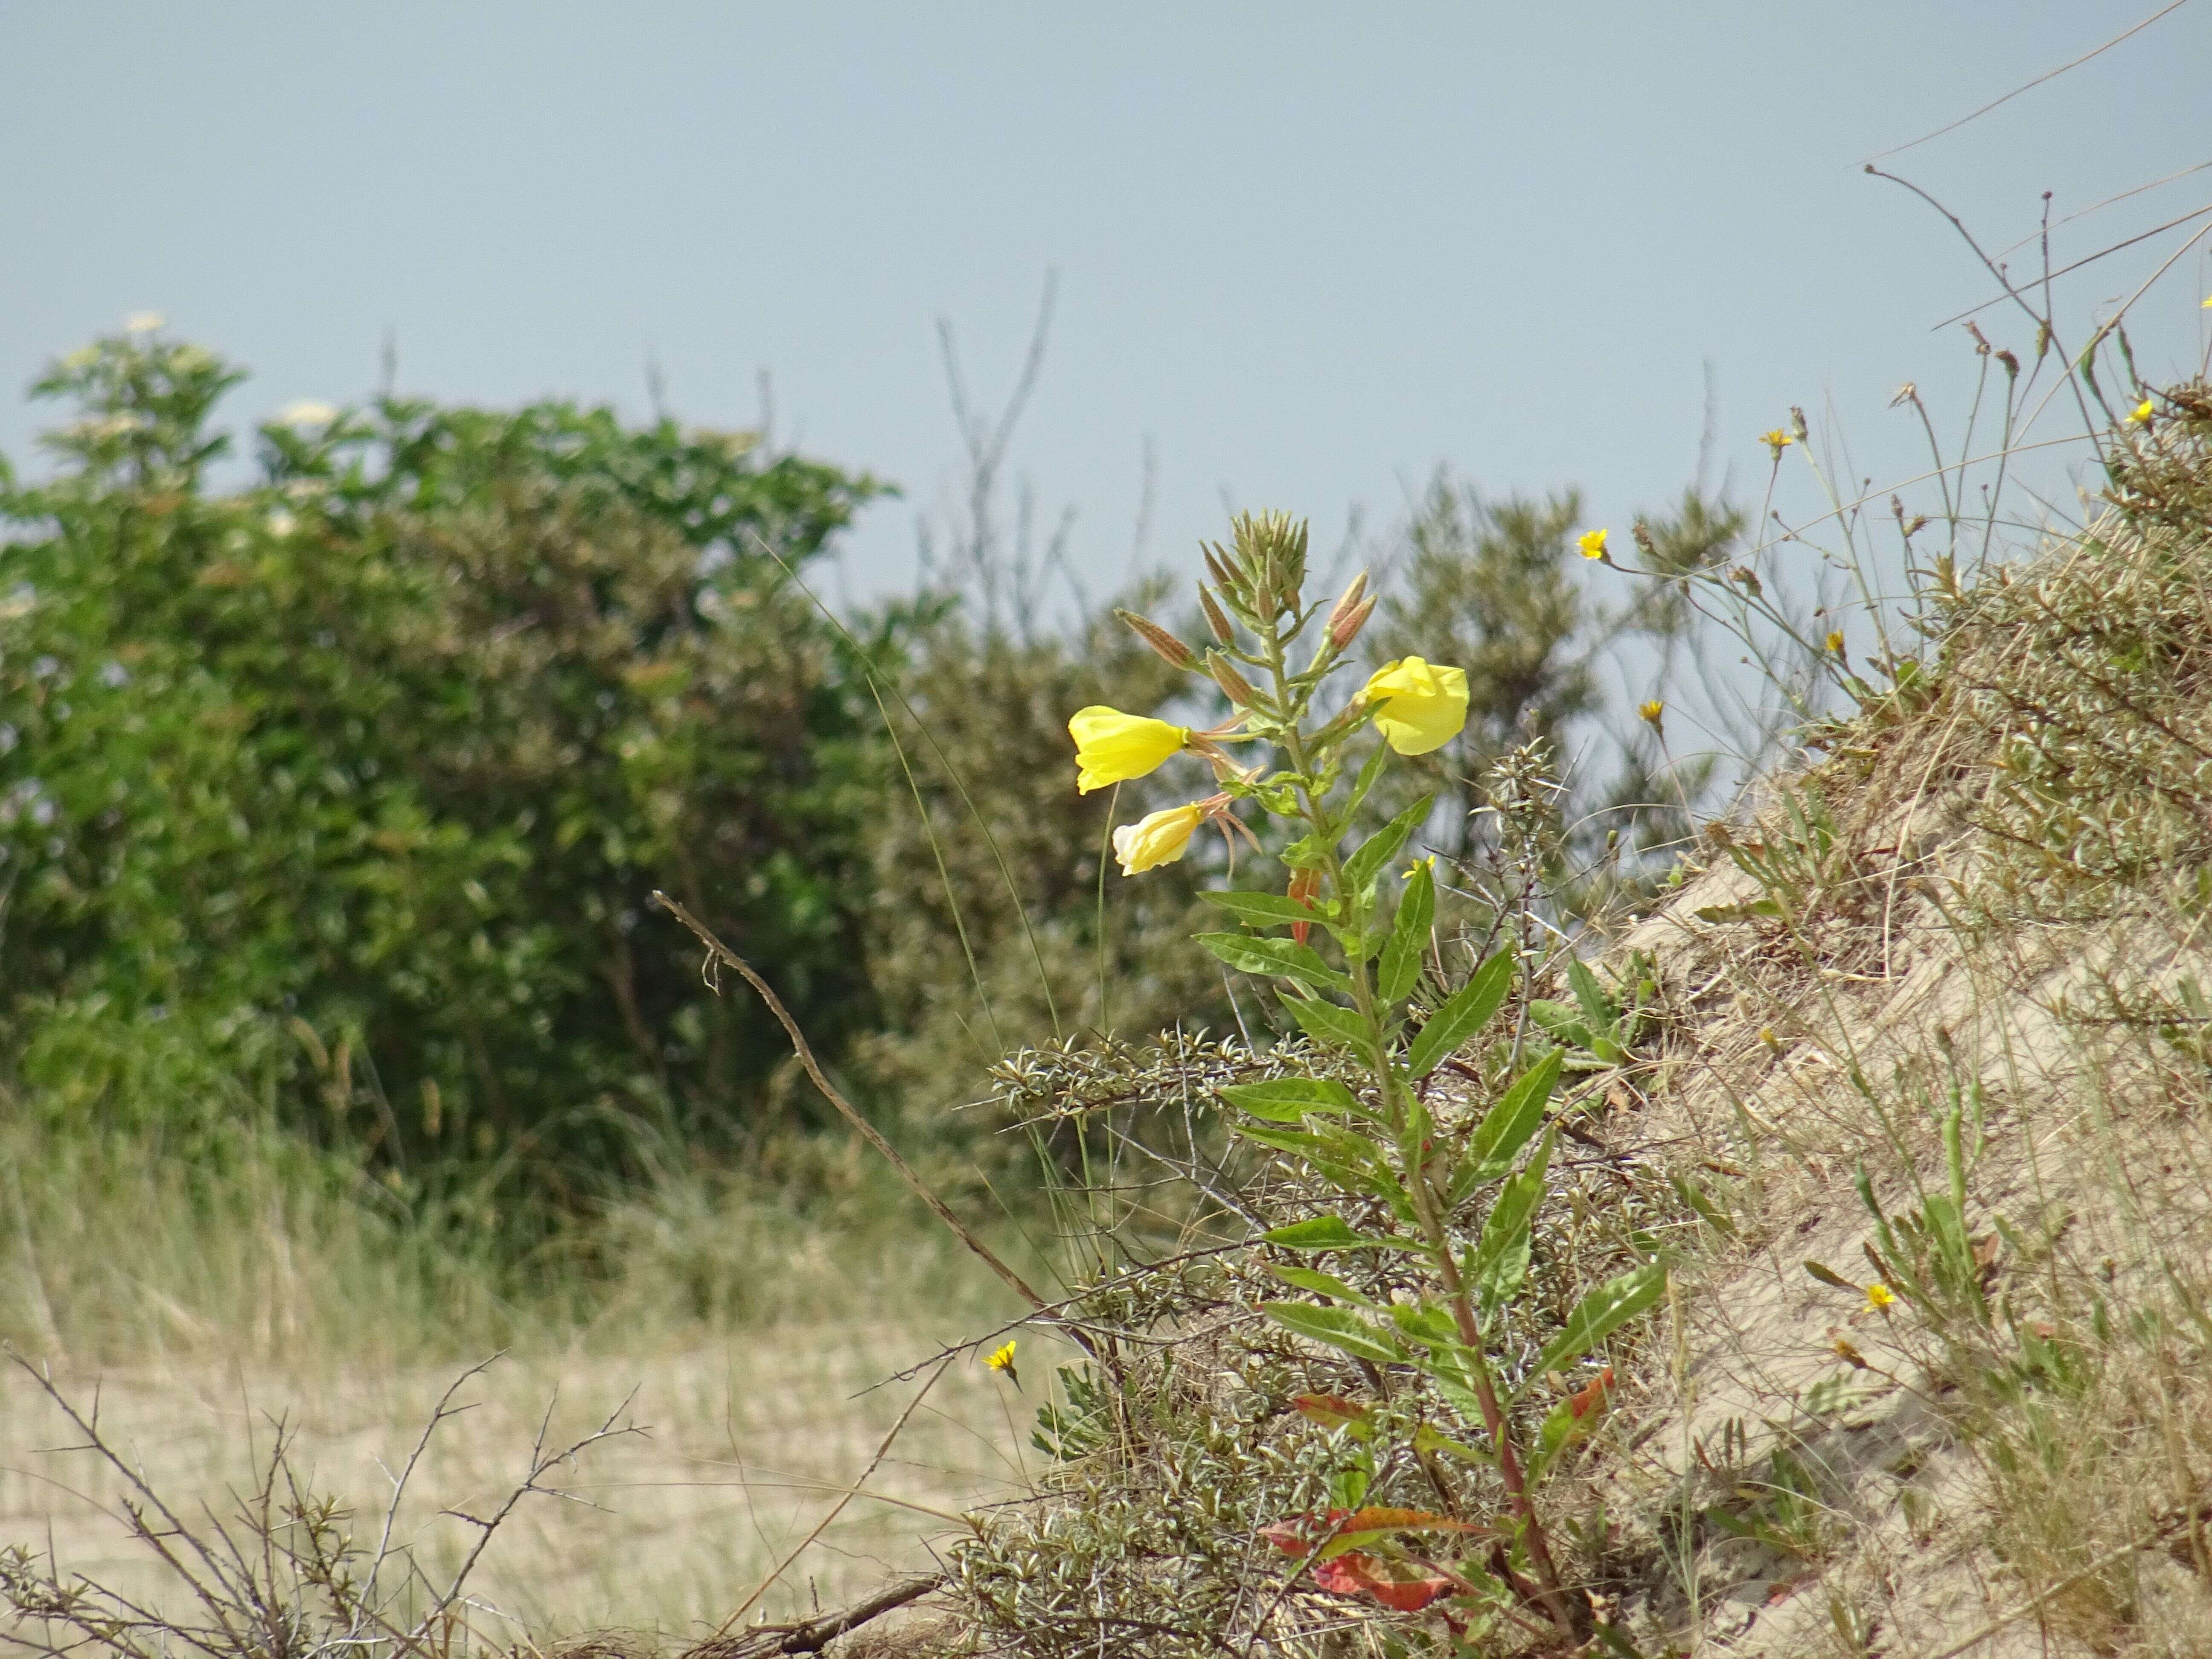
(1651, 713)
(1003, 1360)
(1430, 863)
(1592, 545)
(1422, 706)
(1112, 747)
(1777, 440)
(2144, 410)
(1161, 838)
(1880, 1297)
(1836, 642)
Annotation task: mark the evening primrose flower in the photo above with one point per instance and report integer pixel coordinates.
(1592, 544)
(1159, 838)
(1420, 705)
(1111, 747)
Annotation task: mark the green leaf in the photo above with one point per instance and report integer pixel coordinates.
(1402, 957)
(1328, 1023)
(1597, 1008)
(1363, 866)
(1369, 774)
(1321, 1284)
(1299, 1143)
(1499, 1261)
(1262, 909)
(1275, 958)
(1506, 1126)
(1337, 1327)
(1466, 1011)
(1830, 1277)
(1428, 1439)
(1288, 1099)
(1323, 1232)
(1600, 1314)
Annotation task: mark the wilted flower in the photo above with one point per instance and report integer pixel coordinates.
(1421, 705)
(1159, 838)
(1112, 747)
(1592, 544)
(1777, 440)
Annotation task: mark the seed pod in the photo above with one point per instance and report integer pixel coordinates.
(1226, 676)
(1172, 650)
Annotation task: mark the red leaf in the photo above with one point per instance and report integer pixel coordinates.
(1330, 1410)
(1403, 1586)
(1592, 1397)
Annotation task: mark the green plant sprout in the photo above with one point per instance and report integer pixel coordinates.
(1380, 1143)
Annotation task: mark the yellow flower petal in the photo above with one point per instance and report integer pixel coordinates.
(2144, 410)
(1112, 747)
(1651, 713)
(1003, 1360)
(1880, 1296)
(1160, 838)
(1592, 545)
(1422, 706)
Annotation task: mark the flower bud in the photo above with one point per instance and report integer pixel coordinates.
(1344, 630)
(1226, 676)
(1214, 618)
(1344, 606)
(1172, 650)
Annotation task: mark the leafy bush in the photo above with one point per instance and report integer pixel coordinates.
(365, 769)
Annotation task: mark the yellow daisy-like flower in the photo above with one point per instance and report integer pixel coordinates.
(1112, 747)
(1419, 706)
(1835, 643)
(1002, 1360)
(1592, 544)
(1777, 440)
(1651, 713)
(1162, 837)
(2144, 411)
(1880, 1297)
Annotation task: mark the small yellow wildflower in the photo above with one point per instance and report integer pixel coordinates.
(1003, 1360)
(1835, 643)
(1430, 863)
(1112, 747)
(1651, 713)
(1592, 544)
(1161, 837)
(2144, 411)
(1880, 1296)
(1777, 440)
(1422, 705)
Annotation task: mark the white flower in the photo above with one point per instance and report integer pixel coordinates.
(143, 322)
(306, 412)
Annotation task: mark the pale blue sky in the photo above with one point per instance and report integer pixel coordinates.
(1310, 251)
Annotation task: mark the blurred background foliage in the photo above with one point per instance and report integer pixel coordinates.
(334, 798)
